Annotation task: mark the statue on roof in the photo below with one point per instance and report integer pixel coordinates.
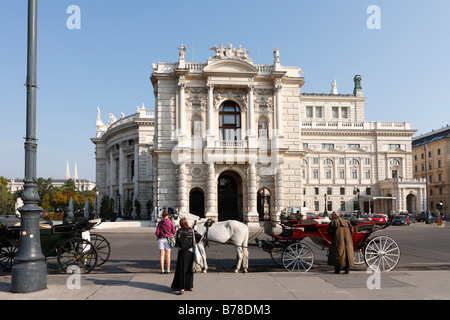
(230, 52)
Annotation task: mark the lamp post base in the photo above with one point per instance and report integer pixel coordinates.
(29, 277)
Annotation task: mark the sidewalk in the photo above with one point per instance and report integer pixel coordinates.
(225, 286)
(401, 285)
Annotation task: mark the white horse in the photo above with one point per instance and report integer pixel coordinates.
(222, 232)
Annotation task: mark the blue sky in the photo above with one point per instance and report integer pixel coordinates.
(107, 63)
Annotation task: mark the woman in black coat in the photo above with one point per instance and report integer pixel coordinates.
(184, 277)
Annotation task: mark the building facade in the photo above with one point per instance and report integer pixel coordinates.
(431, 161)
(230, 139)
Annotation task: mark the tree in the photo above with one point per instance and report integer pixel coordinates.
(6, 198)
(128, 208)
(138, 208)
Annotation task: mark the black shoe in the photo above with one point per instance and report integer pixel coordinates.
(346, 270)
(337, 270)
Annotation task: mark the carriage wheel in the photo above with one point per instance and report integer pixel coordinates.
(103, 248)
(359, 257)
(276, 255)
(297, 257)
(8, 252)
(382, 253)
(77, 252)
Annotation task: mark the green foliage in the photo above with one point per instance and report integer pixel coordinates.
(6, 198)
(138, 208)
(128, 208)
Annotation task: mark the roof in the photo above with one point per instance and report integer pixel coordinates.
(431, 137)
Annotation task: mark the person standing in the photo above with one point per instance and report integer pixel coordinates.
(164, 229)
(341, 252)
(184, 277)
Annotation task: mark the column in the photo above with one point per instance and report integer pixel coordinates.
(121, 176)
(211, 194)
(182, 192)
(136, 171)
(251, 111)
(252, 215)
(278, 107)
(210, 136)
(181, 109)
(279, 197)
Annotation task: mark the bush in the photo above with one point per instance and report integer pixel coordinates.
(53, 216)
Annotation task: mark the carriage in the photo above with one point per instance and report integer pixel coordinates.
(71, 243)
(380, 253)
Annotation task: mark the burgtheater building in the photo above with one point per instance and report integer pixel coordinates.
(230, 139)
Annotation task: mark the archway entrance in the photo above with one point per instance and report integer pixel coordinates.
(229, 193)
(197, 202)
(411, 203)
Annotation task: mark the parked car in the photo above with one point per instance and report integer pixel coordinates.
(349, 217)
(400, 220)
(379, 218)
(406, 215)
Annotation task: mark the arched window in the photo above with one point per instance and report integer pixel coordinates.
(230, 121)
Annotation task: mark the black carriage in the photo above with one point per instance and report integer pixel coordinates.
(71, 243)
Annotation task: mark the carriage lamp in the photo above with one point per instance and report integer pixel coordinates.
(29, 274)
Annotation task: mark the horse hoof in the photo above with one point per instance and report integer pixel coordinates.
(236, 271)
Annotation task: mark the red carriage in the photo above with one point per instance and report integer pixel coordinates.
(380, 253)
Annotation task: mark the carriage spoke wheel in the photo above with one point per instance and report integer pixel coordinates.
(297, 257)
(8, 252)
(276, 254)
(77, 252)
(103, 248)
(382, 253)
(359, 257)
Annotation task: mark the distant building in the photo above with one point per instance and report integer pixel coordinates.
(230, 139)
(80, 184)
(431, 161)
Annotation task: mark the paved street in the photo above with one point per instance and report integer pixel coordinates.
(132, 273)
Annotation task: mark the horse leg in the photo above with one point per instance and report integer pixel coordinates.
(238, 258)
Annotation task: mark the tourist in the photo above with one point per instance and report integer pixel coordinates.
(341, 248)
(184, 277)
(165, 229)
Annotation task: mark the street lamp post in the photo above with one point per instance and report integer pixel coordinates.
(325, 213)
(29, 274)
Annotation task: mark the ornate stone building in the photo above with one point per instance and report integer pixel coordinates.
(230, 139)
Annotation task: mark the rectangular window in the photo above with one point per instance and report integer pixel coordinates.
(342, 191)
(341, 161)
(328, 174)
(354, 174)
(315, 160)
(327, 145)
(335, 112)
(316, 191)
(329, 205)
(341, 174)
(319, 113)
(394, 146)
(394, 174)
(316, 205)
(367, 172)
(342, 206)
(344, 113)
(315, 174)
(309, 112)
(329, 190)
(353, 145)
(367, 161)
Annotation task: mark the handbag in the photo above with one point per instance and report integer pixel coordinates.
(170, 239)
(195, 265)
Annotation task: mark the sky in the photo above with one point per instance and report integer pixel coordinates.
(106, 63)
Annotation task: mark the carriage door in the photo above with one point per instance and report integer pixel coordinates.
(229, 197)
